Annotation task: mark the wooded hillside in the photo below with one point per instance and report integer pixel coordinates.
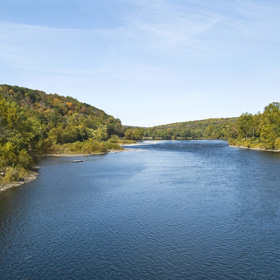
(221, 128)
(35, 123)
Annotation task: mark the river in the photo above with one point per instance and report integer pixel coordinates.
(164, 210)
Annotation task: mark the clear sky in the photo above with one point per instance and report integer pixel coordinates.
(147, 62)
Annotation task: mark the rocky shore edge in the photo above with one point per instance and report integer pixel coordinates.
(31, 177)
(255, 149)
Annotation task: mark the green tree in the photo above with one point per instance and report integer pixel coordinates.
(270, 124)
(128, 134)
(245, 125)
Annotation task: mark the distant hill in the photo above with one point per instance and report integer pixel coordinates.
(54, 110)
(219, 128)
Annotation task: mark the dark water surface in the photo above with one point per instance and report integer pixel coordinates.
(177, 210)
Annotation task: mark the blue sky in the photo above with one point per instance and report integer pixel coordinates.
(146, 62)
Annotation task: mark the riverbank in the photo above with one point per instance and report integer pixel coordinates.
(74, 155)
(29, 178)
(84, 154)
(140, 143)
(255, 149)
(32, 175)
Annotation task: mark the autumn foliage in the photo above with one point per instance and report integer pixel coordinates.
(35, 123)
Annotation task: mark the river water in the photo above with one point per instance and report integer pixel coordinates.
(165, 210)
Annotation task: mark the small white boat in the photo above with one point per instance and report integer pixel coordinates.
(77, 160)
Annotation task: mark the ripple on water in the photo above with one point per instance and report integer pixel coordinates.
(178, 210)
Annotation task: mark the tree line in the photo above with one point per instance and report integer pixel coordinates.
(219, 128)
(34, 123)
(261, 130)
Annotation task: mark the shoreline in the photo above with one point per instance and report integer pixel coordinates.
(33, 175)
(72, 155)
(83, 154)
(255, 149)
(141, 143)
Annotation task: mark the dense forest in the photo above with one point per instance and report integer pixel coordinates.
(34, 123)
